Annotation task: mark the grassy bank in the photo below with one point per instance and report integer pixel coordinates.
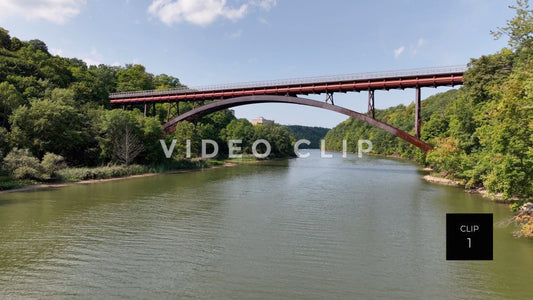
(69, 175)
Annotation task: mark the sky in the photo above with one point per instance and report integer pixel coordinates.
(204, 42)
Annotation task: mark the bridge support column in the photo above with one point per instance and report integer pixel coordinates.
(329, 98)
(145, 107)
(371, 103)
(417, 112)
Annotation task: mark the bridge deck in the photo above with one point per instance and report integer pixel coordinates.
(428, 77)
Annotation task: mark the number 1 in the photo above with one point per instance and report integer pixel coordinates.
(469, 242)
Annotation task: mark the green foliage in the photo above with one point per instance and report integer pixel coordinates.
(5, 39)
(8, 183)
(10, 99)
(519, 29)
(313, 134)
(78, 174)
(164, 81)
(116, 124)
(21, 164)
(185, 131)
(278, 136)
(39, 45)
(433, 112)
(4, 142)
(51, 125)
(134, 78)
(446, 157)
(52, 163)
(152, 132)
(240, 129)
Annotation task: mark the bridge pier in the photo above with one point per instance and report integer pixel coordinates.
(417, 112)
(371, 103)
(169, 109)
(329, 98)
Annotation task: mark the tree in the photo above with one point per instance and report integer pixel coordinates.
(152, 132)
(127, 146)
(21, 164)
(10, 99)
(134, 78)
(185, 131)
(164, 81)
(51, 125)
(16, 44)
(52, 163)
(519, 29)
(5, 39)
(113, 124)
(4, 142)
(278, 137)
(39, 45)
(240, 129)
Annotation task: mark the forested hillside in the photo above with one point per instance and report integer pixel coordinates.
(313, 134)
(482, 132)
(55, 111)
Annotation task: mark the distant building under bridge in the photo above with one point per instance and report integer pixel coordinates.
(261, 120)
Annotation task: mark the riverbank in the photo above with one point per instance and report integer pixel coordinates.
(523, 218)
(435, 178)
(34, 186)
(73, 176)
(523, 209)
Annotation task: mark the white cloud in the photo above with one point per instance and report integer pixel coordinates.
(56, 51)
(198, 12)
(55, 11)
(414, 48)
(265, 4)
(399, 51)
(202, 12)
(93, 58)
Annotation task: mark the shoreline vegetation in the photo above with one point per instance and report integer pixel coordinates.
(148, 172)
(96, 175)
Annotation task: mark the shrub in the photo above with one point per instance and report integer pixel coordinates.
(23, 165)
(51, 163)
(77, 174)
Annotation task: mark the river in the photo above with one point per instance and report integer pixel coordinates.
(310, 228)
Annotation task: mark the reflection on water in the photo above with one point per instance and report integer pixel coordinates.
(303, 228)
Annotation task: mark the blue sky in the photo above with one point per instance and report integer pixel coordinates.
(206, 42)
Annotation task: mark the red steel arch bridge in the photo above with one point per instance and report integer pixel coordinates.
(211, 98)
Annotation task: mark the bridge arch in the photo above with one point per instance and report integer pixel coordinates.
(244, 100)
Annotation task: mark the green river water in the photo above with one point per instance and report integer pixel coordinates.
(310, 228)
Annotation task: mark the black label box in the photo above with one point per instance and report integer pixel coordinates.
(469, 237)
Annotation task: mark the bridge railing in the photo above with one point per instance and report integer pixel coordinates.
(296, 81)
